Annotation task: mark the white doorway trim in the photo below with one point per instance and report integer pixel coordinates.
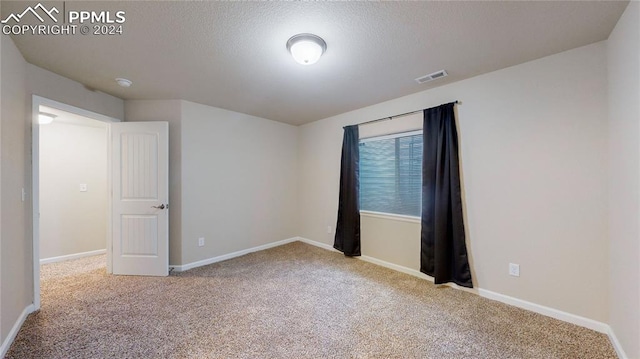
(36, 102)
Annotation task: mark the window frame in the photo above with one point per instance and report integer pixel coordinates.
(390, 136)
(391, 216)
(387, 215)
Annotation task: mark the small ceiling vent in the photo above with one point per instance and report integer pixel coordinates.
(430, 77)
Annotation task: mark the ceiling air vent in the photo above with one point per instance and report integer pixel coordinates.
(431, 77)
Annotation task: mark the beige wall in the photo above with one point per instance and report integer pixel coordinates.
(15, 264)
(534, 161)
(2, 337)
(232, 178)
(624, 178)
(19, 81)
(379, 230)
(72, 221)
(533, 158)
(50, 85)
(239, 181)
(170, 111)
(391, 240)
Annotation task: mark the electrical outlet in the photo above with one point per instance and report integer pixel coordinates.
(514, 269)
(201, 242)
(83, 187)
(329, 229)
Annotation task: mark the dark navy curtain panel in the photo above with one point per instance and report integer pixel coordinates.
(347, 239)
(443, 253)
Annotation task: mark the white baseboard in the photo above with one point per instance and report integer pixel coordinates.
(6, 344)
(69, 257)
(548, 311)
(318, 244)
(540, 309)
(224, 257)
(537, 308)
(560, 315)
(398, 268)
(616, 344)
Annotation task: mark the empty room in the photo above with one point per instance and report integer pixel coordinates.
(293, 179)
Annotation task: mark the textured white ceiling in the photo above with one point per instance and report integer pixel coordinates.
(232, 54)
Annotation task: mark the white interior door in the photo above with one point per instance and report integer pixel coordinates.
(140, 216)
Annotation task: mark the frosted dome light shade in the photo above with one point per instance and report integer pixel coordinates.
(306, 52)
(124, 82)
(306, 49)
(45, 118)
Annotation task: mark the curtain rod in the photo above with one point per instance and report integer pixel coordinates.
(400, 115)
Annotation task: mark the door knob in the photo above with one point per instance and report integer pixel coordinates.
(162, 206)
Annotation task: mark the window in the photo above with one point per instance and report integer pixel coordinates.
(391, 174)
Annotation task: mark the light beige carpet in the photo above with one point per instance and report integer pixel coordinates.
(293, 301)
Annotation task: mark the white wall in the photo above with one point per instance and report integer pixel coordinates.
(19, 81)
(2, 114)
(50, 85)
(534, 165)
(239, 181)
(72, 221)
(533, 157)
(232, 178)
(15, 248)
(624, 178)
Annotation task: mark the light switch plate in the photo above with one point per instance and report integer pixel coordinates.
(83, 187)
(514, 269)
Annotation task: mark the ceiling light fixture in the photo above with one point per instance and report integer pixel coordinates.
(45, 118)
(306, 49)
(124, 82)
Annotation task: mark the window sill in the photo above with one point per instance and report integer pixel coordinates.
(391, 216)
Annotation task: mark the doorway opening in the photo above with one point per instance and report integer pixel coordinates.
(71, 181)
(73, 186)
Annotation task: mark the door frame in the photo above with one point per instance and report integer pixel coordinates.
(36, 102)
